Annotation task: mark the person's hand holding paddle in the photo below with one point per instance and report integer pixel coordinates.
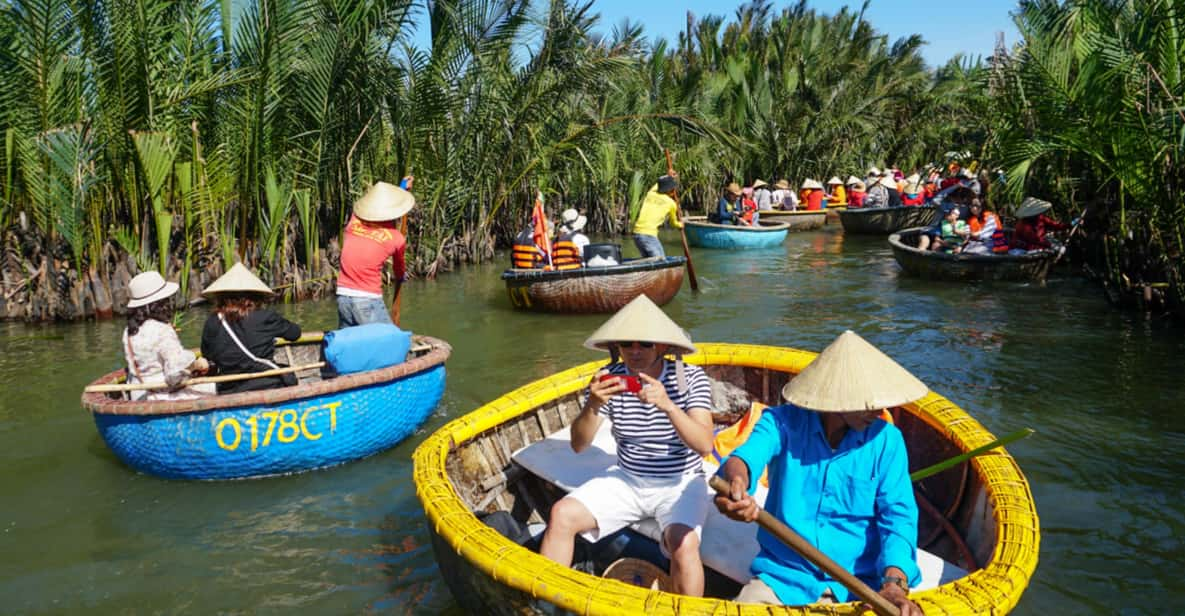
(738, 505)
(896, 594)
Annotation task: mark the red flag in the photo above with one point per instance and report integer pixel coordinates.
(541, 236)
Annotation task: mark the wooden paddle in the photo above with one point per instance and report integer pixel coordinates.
(405, 184)
(226, 378)
(682, 232)
(786, 535)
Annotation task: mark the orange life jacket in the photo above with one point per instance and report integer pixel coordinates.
(525, 254)
(564, 254)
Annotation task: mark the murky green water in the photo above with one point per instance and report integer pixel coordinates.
(80, 531)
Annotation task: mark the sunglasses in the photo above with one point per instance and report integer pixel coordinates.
(644, 345)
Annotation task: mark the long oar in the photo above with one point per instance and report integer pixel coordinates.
(775, 527)
(959, 459)
(201, 379)
(396, 304)
(682, 232)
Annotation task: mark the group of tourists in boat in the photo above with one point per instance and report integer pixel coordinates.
(239, 337)
(834, 467)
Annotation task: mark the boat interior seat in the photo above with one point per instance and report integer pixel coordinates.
(727, 546)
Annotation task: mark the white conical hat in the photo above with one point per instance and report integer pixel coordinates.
(913, 183)
(237, 279)
(852, 180)
(758, 183)
(852, 375)
(383, 202)
(812, 184)
(1032, 206)
(888, 182)
(873, 172)
(834, 180)
(643, 321)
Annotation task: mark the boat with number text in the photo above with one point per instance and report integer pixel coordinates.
(978, 526)
(316, 423)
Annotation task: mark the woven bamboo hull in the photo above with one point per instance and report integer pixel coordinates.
(595, 289)
(800, 220)
(465, 467)
(255, 434)
(885, 220)
(704, 234)
(961, 267)
(833, 213)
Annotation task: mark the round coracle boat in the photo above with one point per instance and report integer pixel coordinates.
(978, 528)
(934, 265)
(313, 424)
(799, 220)
(885, 220)
(765, 234)
(595, 289)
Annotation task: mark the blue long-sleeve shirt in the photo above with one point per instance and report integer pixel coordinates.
(728, 212)
(855, 503)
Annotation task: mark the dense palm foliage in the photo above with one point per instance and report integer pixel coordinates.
(1088, 111)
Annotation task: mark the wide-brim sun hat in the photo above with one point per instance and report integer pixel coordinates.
(384, 202)
(572, 220)
(835, 180)
(851, 375)
(148, 287)
(851, 180)
(759, 183)
(812, 184)
(733, 189)
(1032, 206)
(667, 183)
(643, 321)
(238, 280)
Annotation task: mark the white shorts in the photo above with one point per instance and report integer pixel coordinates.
(619, 499)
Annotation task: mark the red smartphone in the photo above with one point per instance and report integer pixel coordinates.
(632, 383)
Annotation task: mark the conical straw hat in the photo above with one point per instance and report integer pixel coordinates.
(758, 183)
(852, 180)
(238, 279)
(639, 572)
(384, 202)
(812, 184)
(888, 182)
(643, 321)
(834, 180)
(1032, 206)
(852, 375)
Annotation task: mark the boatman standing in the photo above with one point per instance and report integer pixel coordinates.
(658, 206)
(370, 238)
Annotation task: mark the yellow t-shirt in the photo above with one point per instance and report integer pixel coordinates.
(656, 208)
(840, 197)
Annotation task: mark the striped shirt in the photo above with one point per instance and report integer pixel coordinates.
(647, 443)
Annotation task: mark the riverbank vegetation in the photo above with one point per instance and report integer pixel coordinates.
(184, 135)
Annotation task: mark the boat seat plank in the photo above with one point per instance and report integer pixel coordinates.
(727, 546)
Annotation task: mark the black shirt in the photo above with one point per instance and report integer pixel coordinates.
(258, 332)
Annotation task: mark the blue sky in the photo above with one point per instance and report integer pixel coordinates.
(968, 27)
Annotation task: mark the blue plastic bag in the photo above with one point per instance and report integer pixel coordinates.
(366, 347)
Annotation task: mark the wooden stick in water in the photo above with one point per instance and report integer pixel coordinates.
(225, 378)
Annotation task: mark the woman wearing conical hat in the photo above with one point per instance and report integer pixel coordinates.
(370, 238)
(839, 474)
(812, 196)
(856, 192)
(660, 411)
(240, 336)
(838, 197)
(1032, 224)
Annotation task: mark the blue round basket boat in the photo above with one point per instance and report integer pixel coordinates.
(307, 426)
(706, 234)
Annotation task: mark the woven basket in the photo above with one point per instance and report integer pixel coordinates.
(639, 573)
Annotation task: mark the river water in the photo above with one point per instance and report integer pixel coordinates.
(78, 530)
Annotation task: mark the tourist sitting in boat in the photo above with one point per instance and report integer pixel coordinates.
(987, 234)
(762, 196)
(240, 336)
(856, 192)
(913, 192)
(151, 348)
(813, 199)
(883, 193)
(662, 422)
(658, 206)
(1032, 225)
(370, 238)
(748, 206)
(526, 253)
(729, 209)
(953, 233)
(838, 197)
(568, 250)
(956, 197)
(784, 198)
(837, 473)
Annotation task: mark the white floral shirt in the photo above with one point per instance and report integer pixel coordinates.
(155, 355)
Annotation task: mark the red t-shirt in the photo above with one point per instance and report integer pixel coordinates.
(814, 201)
(365, 248)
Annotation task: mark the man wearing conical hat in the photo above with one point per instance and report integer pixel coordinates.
(659, 206)
(661, 419)
(838, 475)
(370, 238)
(1032, 225)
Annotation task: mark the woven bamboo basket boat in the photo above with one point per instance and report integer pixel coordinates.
(885, 220)
(595, 289)
(932, 265)
(466, 467)
(800, 220)
(313, 424)
(766, 234)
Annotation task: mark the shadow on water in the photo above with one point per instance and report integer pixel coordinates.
(79, 530)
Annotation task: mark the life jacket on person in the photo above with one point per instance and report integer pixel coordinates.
(748, 208)
(999, 240)
(564, 254)
(525, 254)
